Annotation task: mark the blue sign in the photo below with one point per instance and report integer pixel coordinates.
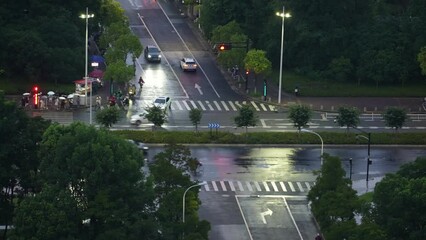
(214, 125)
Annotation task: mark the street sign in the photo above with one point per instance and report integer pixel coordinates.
(214, 125)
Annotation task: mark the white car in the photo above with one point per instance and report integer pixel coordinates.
(188, 64)
(138, 118)
(163, 103)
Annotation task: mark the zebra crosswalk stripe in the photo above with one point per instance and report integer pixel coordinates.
(256, 184)
(193, 104)
(206, 186)
(214, 186)
(231, 185)
(217, 106)
(201, 105)
(291, 186)
(283, 187)
(186, 105)
(240, 186)
(238, 104)
(265, 184)
(224, 105)
(263, 107)
(271, 107)
(222, 184)
(249, 186)
(274, 186)
(308, 186)
(255, 106)
(179, 106)
(300, 186)
(209, 105)
(232, 105)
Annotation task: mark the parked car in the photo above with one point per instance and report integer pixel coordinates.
(188, 64)
(141, 146)
(163, 103)
(138, 118)
(152, 54)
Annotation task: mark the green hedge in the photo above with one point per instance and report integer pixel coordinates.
(271, 137)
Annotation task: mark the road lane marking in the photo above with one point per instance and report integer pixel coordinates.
(291, 186)
(238, 104)
(206, 186)
(283, 187)
(214, 186)
(240, 186)
(249, 186)
(265, 184)
(217, 105)
(256, 184)
(224, 105)
(186, 105)
(300, 186)
(263, 107)
(254, 105)
(232, 105)
(231, 185)
(308, 186)
(210, 106)
(222, 184)
(202, 106)
(272, 108)
(193, 104)
(274, 186)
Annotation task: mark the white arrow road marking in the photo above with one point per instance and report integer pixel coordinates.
(199, 89)
(263, 214)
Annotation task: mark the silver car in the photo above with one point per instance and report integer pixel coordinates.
(163, 103)
(188, 64)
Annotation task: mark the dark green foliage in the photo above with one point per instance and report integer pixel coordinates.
(156, 115)
(399, 202)
(348, 116)
(395, 117)
(246, 117)
(195, 116)
(300, 115)
(108, 116)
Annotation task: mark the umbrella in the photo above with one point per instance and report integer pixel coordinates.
(97, 58)
(26, 94)
(61, 98)
(71, 95)
(96, 73)
(50, 93)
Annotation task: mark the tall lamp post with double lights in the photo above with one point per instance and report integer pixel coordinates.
(368, 138)
(283, 15)
(183, 198)
(322, 142)
(87, 16)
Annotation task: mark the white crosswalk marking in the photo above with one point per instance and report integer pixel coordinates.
(224, 105)
(300, 186)
(256, 184)
(217, 106)
(232, 105)
(179, 106)
(244, 102)
(283, 187)
(308, 186)
(249, 186)
(240, 186)
(263, 107)
(186, 105)
(254, 105)
(206, 186)
(271, 107)
(231, 185)
(214, 186)
(274, 186)
(238, 104)
(201, 105)
(222, 184)
(193, 104)
(291, 186)
(210, 106)
(265, 184)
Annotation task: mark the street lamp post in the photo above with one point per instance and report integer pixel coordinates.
(322, 142)
(183, 198)
(283, 15)
(87, 16)
(368, 138)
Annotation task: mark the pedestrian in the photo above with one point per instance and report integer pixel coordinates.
(78, 100)
(63, 104)
(57, 103)
(23, 102)
(318, 237)
(296, 91)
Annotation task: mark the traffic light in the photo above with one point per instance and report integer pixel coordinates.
(247, 72)
(225, 46)
(35, 91)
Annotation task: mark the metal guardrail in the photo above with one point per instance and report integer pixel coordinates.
(377, 116)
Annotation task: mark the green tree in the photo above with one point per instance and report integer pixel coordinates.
(156, 116)
(333, 200)
(399, 200)
(348, 116)
(256, 60)
(300, 115)
(195, 116)
(395, 117)
(340, 69)
(107, 116)
(88, 174)
(246, 117)
(421, 58)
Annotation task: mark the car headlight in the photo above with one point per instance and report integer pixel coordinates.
(159, 56)
(149, 55)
